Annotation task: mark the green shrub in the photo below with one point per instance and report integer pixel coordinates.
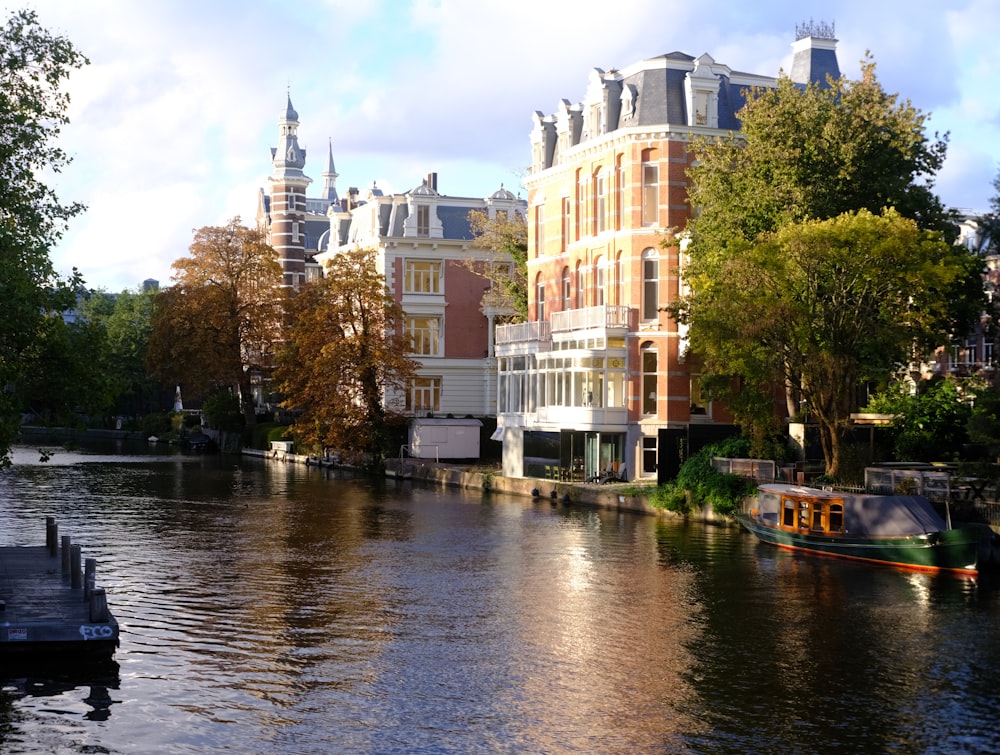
(222, 411)
(264, 432)
(697, 483)
(155, 424)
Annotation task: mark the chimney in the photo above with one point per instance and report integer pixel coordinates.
(432, 181)
(815, 54)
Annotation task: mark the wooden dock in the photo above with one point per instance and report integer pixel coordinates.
(48, 605)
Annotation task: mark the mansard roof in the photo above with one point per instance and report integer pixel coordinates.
(674, 91)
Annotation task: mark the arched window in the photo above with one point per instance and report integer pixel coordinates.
(650, 188)
(580, 287)
(649, 375)
(618, 209)
(600, 202)
(539, 298)
(650, 284)
(619, 279)
(600, 281)
(567, 289)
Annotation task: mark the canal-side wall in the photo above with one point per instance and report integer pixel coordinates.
(615, 496)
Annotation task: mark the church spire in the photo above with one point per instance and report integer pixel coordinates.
(330, 179)
(287, 209)
(288, 159)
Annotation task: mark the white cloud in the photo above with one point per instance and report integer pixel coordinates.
(172, 124)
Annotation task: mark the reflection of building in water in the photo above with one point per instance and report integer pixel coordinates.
(607, 637)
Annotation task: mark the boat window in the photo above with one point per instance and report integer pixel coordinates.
(788, 513)
(817, 512)
(836, 517)
(804, 514)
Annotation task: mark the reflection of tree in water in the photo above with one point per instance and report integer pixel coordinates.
(381, 523)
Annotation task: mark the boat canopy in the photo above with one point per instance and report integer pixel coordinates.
(890, 515)
(864, 515)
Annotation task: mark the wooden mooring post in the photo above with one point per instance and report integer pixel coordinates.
(49, 611)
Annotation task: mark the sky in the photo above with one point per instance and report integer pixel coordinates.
(173, 121)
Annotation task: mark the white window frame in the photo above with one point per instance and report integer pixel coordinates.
(424, 332)
(422, 276)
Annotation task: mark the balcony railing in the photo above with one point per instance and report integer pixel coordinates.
(522, 331)
(606, 316)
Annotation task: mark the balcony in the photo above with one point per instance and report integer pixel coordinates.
(522, 332)
(583, 417)
(605, 317)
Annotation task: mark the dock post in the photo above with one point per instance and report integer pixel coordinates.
(51, 535)
(98, 606)
(89, 577)
(74, 567)
(65, 555)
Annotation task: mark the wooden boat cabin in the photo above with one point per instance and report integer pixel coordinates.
(803, 510)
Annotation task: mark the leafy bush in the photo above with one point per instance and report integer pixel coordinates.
(222, 411)
(263, 433)
(155, 424)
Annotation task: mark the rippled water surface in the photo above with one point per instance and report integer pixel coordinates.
(271, 608)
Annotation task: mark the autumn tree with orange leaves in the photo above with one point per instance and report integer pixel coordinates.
(345, 353)
(217, 325)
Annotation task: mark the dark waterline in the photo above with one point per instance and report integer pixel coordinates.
(271, 608)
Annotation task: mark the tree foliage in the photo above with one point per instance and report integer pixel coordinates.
(818, 256)
(984, 424)
(824, 305)
(507, 238)
(67, 381)
(344, 355)
(811, 152)
(217, 325)
(932, 423)
(33, 66)
(988, 225)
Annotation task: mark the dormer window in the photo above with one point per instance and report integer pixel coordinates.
(423, 220)
(628, 100)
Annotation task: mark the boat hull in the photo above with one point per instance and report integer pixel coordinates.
(955, 550)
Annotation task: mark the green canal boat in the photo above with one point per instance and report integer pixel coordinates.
(899, 530)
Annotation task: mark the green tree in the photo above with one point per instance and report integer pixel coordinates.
(33, 67)
(843, 152)
(811, 152)
(217, 326)
(825, 305)
(988, 231)
(984, 424)
(126, 320)
(66, 382)
(507, 238)
(932, 423)
(344, 356)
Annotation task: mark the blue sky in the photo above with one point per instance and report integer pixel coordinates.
(173, 121)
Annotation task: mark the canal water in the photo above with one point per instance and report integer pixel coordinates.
(273, 608)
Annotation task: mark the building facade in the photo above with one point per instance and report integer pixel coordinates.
(298, 226)
(597, 381)
(426, 251)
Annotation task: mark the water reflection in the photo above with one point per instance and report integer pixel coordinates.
(273, 608)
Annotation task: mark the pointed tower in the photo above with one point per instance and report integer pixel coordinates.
(288, 184)
(814, 54)
(330, 179)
